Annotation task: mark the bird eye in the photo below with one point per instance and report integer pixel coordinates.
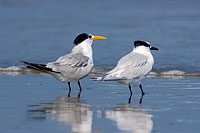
(90, 36)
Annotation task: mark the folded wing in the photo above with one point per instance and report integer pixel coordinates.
(70, 65)
(131, 66)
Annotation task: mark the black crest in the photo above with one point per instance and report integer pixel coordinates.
(80, 38)
(141, 43)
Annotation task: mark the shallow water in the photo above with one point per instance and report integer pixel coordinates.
(40, 103)
(41, 31)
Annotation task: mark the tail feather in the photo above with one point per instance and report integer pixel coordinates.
(104, 78)
(39, 67)
(97, 78)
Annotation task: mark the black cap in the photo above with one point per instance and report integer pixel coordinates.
(141, 43)
(81, 37)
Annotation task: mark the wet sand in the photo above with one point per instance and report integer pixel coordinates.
(40, 103)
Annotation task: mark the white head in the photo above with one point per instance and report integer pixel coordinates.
(143, 47)
(83, 43)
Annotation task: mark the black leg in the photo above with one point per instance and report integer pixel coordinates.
(141, 89)
(79, 84)
(69, 89)
(141, 99)
(129, 86)
(129, 100)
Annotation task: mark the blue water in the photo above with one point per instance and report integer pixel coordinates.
(41, 31)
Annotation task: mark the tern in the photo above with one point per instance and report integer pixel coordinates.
(73, 66)
(133, 67)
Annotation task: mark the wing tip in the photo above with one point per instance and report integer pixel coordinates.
(39, 67)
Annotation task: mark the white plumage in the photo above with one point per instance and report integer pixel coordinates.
(73, 66)
(133, 67)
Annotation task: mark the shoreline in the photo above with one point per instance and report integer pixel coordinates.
(13, 70)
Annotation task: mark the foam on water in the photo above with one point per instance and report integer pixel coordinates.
(177, 72)
(17, 70)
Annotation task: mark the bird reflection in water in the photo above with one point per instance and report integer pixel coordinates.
(130, 118)
(69, 110)
(130, 98)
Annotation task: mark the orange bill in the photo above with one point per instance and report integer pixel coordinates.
(98, 38)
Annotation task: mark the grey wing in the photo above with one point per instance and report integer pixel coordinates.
(73, 60)
(70, 64)
(130, 66)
